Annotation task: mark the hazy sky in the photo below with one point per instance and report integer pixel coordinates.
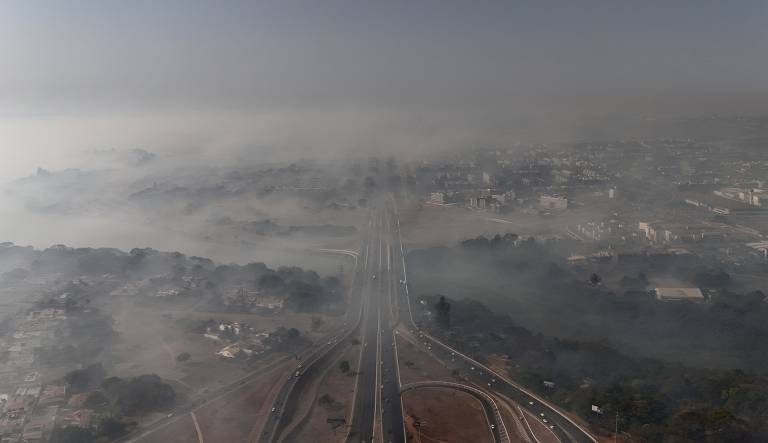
(80, 75)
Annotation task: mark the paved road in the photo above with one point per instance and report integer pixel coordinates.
(393, 426)
(285, 402)
(384, 300)
(183, 409)
(565, 429)
(377, 410)
(492, 412)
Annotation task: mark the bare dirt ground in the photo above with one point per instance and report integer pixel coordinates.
(331, 399)
(150, 342)
(415, 365)
(238, 416)
(180, 431)
(427, 225)
(430, 421)
(425, 367)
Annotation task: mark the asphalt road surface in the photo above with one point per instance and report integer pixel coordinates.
(282, 407)
(377, 410)
(383, 300)
(565, 430)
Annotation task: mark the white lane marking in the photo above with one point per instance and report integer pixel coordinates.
(197, 427)
(514, 385)
(528, 425)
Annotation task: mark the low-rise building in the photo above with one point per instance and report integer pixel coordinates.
(52, 395)
(553, 202)
(679, 294)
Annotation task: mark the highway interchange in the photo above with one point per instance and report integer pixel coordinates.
(383, 309)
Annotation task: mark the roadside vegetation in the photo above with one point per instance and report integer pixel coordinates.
(657, 399)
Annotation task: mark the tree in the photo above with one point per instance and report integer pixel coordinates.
(15, 275)
(344, 366)
(111, 428)
(96, 400)
(712, 278)
(510, 237)
(184, 356)
(139, 395)
(271, 282)
(443, 310)
(71, 434)
(80, 379)
(709, 426)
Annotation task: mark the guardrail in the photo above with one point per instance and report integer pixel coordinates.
(466, 357)
(315, 356)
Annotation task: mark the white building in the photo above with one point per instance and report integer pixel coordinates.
(437, 197)
(679, 294)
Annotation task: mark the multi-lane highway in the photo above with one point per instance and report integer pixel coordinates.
(285, 401)
(380, 300)
(377, 411)
(566, 429)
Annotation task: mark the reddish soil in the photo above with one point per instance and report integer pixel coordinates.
(430, 421)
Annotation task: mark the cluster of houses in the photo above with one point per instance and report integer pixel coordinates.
(31, 412)
(242, 341)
